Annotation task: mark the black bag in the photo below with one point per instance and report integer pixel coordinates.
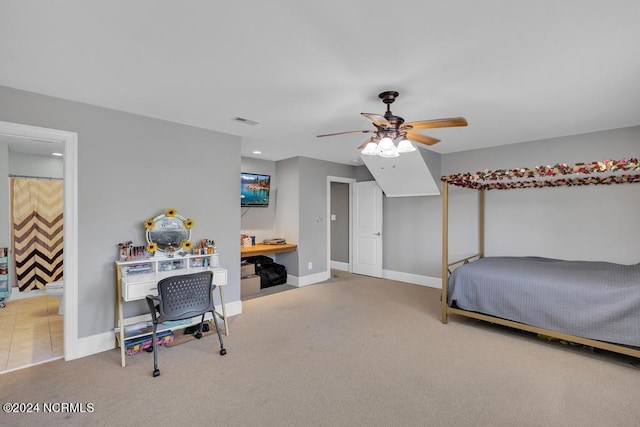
(270, 272)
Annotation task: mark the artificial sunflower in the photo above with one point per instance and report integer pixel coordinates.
(149, 224)
(186, 244)
(152, 247)
(171, 212)
(188, 223)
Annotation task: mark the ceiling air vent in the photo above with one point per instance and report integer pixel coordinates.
(245, 121)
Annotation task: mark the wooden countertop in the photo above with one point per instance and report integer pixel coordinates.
(267, 249)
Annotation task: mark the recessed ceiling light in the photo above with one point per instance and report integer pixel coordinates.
(57, 154)
(257, 152)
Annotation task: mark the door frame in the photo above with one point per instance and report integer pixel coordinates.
(69, 141)
(351, 182)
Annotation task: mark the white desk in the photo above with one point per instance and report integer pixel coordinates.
(139, 278)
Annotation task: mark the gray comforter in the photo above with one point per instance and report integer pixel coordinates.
(596, 300)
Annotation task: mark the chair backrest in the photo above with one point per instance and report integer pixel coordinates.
(185, 296)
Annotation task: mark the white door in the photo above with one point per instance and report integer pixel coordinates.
(367, 229)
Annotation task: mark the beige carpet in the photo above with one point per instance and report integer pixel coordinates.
(354, 351)
(179, 337)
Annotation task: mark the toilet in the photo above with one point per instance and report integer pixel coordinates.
(56, 289)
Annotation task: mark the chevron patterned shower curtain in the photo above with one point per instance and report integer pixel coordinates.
(37, 207)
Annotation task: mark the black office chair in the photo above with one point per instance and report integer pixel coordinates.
(179, 298)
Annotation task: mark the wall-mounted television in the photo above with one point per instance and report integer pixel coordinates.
(254, 190)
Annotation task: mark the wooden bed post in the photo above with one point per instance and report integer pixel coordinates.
(481, 223)
(445, 247)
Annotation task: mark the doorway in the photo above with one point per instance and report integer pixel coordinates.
(367, 229)
(33, 135)
(339, 212)
(32, 318)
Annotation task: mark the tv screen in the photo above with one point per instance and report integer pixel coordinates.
(254, 190)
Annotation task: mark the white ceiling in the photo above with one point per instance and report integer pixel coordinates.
(516, 70)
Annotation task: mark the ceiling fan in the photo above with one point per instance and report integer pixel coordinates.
(390, 127)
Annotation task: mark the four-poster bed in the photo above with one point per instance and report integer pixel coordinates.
(591, 303)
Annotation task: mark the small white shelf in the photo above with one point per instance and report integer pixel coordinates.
(141, 329)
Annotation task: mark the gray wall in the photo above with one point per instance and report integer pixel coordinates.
(412, 234)
(300, 201)
(260, 222)
(340, 227)
(363, 174)
(411, 225)
(434, 164)
(313, 211)
(129, 169)
(287, 203)
(301, 211)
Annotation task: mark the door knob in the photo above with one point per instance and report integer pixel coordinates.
(377, 234)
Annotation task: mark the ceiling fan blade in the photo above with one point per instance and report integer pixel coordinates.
(377, 119)
(438, 123)
(422, 139)
(344, 133)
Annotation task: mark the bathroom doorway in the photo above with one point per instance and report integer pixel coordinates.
(67, 328)
(32, 319)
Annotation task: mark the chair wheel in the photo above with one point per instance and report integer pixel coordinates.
(198, 335)
(156, 372)
(223, 352)
(149, 349)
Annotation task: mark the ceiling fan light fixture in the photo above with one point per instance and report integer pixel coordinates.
(371, 149)
(389, 127)
(386, 144)
(390, 153)
(405, 146)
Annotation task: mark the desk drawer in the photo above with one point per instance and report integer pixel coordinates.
(135, 291)
(219, 276)
(138, 287)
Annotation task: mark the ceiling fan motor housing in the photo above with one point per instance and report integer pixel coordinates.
(388, 97)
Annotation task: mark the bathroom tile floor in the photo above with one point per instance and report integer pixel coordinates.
(30, 332)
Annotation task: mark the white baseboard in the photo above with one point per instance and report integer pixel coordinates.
(308, 280)
(95, 344)
(16, 294)
(416, 279)
(342, 266)
(107, 341)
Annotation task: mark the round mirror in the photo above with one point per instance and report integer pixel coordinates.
(168, 230)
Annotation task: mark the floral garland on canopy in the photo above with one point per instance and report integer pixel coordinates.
(540, 176)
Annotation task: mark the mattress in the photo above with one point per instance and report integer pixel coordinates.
(596, 300)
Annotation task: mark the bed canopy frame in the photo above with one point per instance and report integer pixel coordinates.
(594, 173)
